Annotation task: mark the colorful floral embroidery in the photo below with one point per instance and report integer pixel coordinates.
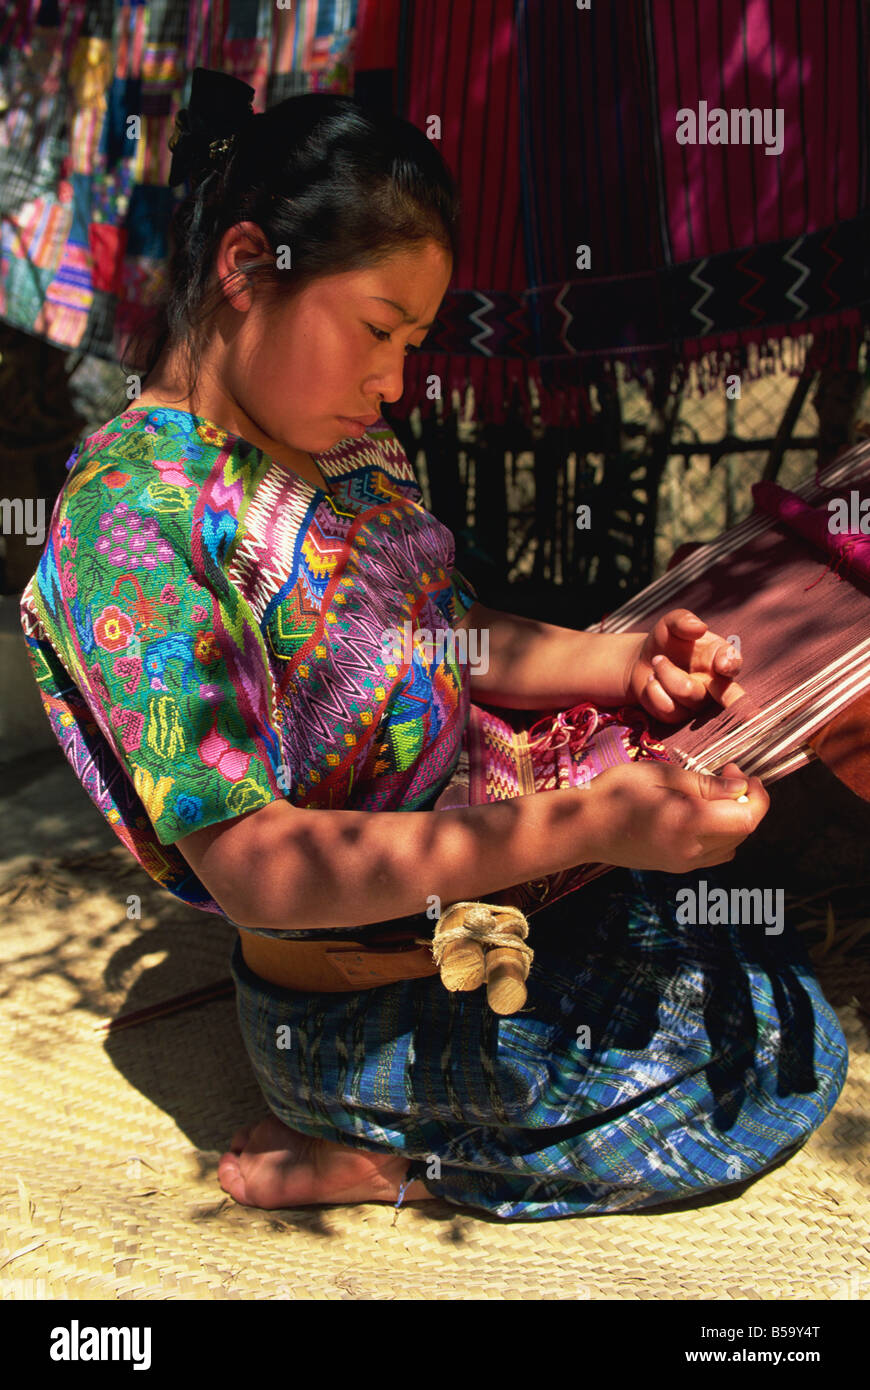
(129, 540)
(129, 668)
(189, 808)
(129, 723)
(224, 629)
(113, 629)
(151, 790)
(215, 751)
(97, 683)
(69, 582)
(172, 474)
(165, 735)
(206, 648)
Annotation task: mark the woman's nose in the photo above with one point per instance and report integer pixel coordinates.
(392, 383)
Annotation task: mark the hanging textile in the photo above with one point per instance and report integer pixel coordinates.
(713, 258)
(561, 126)
(89, 91)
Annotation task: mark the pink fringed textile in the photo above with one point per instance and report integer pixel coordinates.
(572, 747)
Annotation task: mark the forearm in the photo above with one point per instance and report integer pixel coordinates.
(351, 868)
(535, 665)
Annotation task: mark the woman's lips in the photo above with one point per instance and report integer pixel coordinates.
(356, 427)
(351, 426)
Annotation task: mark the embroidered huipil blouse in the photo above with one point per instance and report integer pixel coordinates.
(207, 630)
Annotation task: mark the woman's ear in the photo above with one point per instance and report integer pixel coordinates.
(240, 244)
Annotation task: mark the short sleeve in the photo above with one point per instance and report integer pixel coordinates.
(171, 664)
(464, 594)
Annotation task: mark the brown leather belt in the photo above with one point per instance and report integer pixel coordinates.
(340, 966)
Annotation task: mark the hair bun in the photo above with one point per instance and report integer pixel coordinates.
(220, 105)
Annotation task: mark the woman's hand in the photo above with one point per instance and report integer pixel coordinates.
(678, 664)
(658, 816)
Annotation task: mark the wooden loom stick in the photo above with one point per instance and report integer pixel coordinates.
(462, 965)
(206, 994)
(506, 972)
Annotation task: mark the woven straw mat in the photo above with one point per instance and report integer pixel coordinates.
(108, 1186)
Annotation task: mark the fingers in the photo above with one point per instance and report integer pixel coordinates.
(712, 819)
(679, 630)
(656, 701)
(674, 692)
(723, 786)
(684, 623)
(687, 630)
(677, 685)
(730, 805)
(725, 691)
(756, 792)
(727, 660)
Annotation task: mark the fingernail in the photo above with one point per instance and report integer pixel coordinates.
(657, 660)
(734, 784)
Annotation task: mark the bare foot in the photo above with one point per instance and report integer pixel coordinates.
(271, 1165)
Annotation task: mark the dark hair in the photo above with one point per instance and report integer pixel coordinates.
(341, 185)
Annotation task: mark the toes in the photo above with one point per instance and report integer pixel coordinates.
(230, 1178)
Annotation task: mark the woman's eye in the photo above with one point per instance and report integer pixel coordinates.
(383, 337)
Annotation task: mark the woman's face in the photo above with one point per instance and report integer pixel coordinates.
(337, 349)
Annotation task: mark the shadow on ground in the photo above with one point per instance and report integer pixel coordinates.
(65, 882)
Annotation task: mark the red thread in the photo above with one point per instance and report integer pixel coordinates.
(575, 735)
(578, 724)
(842, 554)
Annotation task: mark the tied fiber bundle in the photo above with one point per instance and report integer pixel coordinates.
(476, 941)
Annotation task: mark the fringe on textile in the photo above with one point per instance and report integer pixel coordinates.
(503, 387)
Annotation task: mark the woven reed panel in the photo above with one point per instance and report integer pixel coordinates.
(108, 1184)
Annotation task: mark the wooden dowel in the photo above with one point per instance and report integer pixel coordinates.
(463, 965)
(505, 975)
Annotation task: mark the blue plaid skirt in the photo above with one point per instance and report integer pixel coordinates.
(653, 1061)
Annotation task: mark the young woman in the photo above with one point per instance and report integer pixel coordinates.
(207, 627)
